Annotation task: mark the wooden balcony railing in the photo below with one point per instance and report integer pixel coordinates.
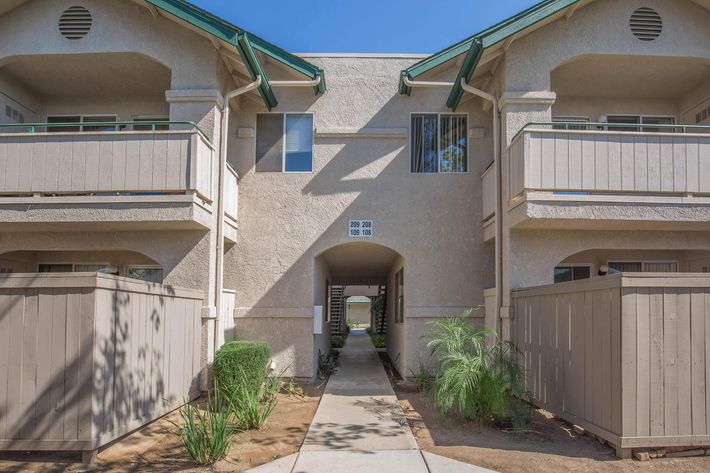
(106, 162)
(657, 161)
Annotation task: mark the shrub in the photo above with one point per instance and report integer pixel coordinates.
(240, 366)
(478, 380)
(337, 341)
(206, 435)
(379, 340)
(327, 364)
(423, 376)
(252, 408)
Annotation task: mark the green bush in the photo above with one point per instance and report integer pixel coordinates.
(379, 340)
(478, 380)
(206, 435)
(337, 341)
(327, 364)
(240, 366)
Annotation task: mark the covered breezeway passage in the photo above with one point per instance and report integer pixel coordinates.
(366, 270)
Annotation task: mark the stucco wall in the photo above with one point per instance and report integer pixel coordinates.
(602, 27)
(286, 220)
(358, 312)
(535, 253)
(121, 26)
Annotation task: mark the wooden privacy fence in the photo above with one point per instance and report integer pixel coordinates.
(86, 358)
(626, 356)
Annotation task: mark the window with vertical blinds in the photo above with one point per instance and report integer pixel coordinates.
(438, 143)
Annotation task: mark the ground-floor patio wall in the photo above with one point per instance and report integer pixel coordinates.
(86, 357)
(627, 357)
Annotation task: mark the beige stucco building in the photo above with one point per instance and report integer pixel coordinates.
(151, 140)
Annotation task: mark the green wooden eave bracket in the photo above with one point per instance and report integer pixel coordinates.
(253, 63)
(488, 38)
(229, 33)
(473, 56)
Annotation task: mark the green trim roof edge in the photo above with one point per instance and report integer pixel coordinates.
(487, 38)
(230, 33)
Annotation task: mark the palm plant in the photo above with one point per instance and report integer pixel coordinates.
(473, 376)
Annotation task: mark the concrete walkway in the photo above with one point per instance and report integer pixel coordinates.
(359, 425)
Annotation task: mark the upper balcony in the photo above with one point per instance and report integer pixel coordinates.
(119, 174)
(622, 176)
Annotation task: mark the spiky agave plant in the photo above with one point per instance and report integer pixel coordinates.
(475, 373)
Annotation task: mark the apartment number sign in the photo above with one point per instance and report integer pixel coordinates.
(360, 229)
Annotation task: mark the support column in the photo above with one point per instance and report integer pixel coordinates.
(203, 107)
(517, 110)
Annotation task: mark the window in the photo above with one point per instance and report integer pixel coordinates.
(624, 267)
(75, 268)
(55, 268)
(572, 273)
(284, 142)
(640, 120)
(327, 300)
(68, 119)
(438, 143)
(616, 267)
(146, 273)
(148, 124)
(570, 123)
(399, 297)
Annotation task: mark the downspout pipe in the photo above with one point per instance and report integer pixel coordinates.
(296, 83)
(499, 180)
(499, 200)
(224, 135)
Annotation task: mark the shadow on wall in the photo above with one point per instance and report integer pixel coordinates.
(86, 365)
(365, 179)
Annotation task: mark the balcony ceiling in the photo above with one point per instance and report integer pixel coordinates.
(7, 5)
(629, 76)
(77, 76)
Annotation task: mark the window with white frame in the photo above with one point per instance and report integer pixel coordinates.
(284, 142)
(616, 267)
(438, 143)
(570, 123)
(145, 273)
(103, 123)
(565, 273)
(148, 124)
(646, 122)
(75, 268)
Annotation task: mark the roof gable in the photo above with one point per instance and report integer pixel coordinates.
(474, 46)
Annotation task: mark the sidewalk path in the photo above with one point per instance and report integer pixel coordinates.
(359, 425)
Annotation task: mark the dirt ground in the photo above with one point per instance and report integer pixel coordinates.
(550, 446)
(155, 447)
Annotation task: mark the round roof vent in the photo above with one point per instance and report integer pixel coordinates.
(75, 22)
(646, 24)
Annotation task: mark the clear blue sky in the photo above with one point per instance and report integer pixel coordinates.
(364, 26)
